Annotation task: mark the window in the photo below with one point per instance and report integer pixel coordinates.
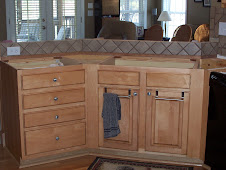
(177, 12)
(134, 11)
(40, 20)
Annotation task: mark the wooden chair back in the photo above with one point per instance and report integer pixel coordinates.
(182, 33)
(202, 33)
(154, 33)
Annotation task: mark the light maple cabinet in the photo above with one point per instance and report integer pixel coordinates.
(129, 98)
(167, 107)
(167, 121)
(44, 108)
(127, 139)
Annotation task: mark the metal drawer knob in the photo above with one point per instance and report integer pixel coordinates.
(135, 94)
(55, 79)
(56, 117)
(149, 93)
(55, 98)
(57, 138)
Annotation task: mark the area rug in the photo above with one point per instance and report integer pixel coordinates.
(114, 164)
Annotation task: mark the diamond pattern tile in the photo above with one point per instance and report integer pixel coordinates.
(48, 47)
(134, 51)
(207, 49)
(94, 45)
(2, 49)
(32, 48)
(141, 47)
(40, 51)
(102, 50)
(183, 53)
(158, 48)
(175, 48)
(56, 50)
(71, 50)
(117, 50)
(149, 51)
(126, 47)
(102, 42)
(24, 52)
(64, 46)
(166, 52)
(110, 46)
(192, 49)
(77, 45)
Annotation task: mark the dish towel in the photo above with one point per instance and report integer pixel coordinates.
(111, 115)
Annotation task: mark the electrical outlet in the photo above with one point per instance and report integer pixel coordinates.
(13, 51)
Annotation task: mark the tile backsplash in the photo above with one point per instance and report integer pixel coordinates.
(115, 46)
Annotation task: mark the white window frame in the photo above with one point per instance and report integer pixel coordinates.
(167, 23)
(11, 25)
(138, 11)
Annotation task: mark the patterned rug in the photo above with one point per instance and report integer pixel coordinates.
(114, 164)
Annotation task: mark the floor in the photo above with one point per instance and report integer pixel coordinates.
(81, 163)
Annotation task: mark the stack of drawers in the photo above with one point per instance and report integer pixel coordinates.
(53, 107)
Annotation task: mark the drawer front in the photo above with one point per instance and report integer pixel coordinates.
(53, 79)
(168, 80)
(120, 78)
(55, 138)
(54, 116)
(53, 98)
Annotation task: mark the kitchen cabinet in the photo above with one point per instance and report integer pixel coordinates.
(56, 112)
(127, 139)
(44, 107)
(167, 121)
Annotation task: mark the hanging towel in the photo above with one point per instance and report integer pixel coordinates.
(111, 115)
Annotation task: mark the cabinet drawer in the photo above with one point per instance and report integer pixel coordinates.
(55, 138)
(54, 116)
(168, 80)
(53, 79)
(120, 78)
(53, 98)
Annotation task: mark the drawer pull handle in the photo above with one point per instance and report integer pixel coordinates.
(55, 79)
(55, 98)
(135, 94)
(56, 117)
(57, 138)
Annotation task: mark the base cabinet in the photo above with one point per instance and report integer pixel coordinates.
(127, 139)
(167, 121)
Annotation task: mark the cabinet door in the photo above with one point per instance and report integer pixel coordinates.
(167, 121)
(127, 139)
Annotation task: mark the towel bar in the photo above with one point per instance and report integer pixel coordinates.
(168, 99)
(129, 93)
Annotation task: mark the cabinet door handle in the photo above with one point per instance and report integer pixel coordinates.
(57, 138)
(135, 94)
(55, 80)
(56, 117)
(156, 98)
(149, 93)
(55, 98)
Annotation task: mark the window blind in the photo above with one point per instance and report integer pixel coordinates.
(65, 19)
(133, 11)
(28, 22)
(177, 12)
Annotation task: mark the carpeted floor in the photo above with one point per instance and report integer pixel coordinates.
(114, 164)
